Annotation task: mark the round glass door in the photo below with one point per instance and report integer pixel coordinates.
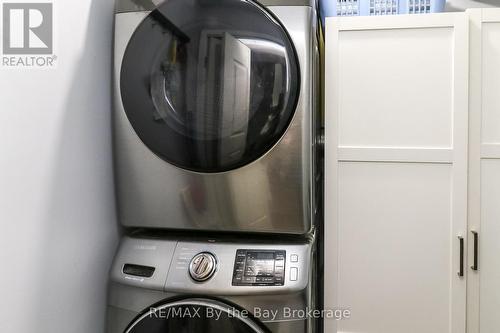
(195, 316)
(210, 85)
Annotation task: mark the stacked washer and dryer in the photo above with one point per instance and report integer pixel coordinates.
(215, 132)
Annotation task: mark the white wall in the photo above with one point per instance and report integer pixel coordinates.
(58, 225)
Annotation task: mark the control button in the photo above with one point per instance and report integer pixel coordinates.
(294, 273)
(248, 279)
(294, 258)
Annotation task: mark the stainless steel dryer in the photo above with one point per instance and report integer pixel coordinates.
(211, 286)
(215, 114)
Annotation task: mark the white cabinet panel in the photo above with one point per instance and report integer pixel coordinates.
(395, 250)
(491, 82)
(392, 93)
(396, 172)
(490, 247)
(483, 284)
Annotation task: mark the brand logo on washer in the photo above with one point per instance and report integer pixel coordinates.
(28, 34)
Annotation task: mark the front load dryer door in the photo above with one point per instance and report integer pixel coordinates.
(195, 316)
(210, 85)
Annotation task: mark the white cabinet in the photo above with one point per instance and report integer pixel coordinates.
(396, 173)
(484, 172)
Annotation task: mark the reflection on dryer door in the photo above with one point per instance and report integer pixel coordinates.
(236, 99)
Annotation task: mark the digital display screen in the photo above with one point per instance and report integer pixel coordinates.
(259, 264)
(259, 268)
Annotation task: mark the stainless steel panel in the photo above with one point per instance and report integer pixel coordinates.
(126, 300)
(171, 260)
(311, 3)
(144, 252)
(272, 194)
(122, 6)
(118, 318)
(299, 326)
(249, 324)
(221, 283)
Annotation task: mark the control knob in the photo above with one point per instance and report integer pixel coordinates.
(202, 266)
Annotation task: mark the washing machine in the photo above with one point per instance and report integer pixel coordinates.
(211, 286)
(215, 120)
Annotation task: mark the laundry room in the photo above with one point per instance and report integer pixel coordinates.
(271, 166)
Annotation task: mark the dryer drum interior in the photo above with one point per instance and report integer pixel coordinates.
(195, 315)
(210, 86)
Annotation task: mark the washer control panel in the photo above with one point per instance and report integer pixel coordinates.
(213, 267)
(259, 268)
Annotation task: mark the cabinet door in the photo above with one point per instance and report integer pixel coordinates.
(396, 172)
(484, 171)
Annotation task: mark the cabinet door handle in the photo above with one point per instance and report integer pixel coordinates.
(461, 271)
(475, 266)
